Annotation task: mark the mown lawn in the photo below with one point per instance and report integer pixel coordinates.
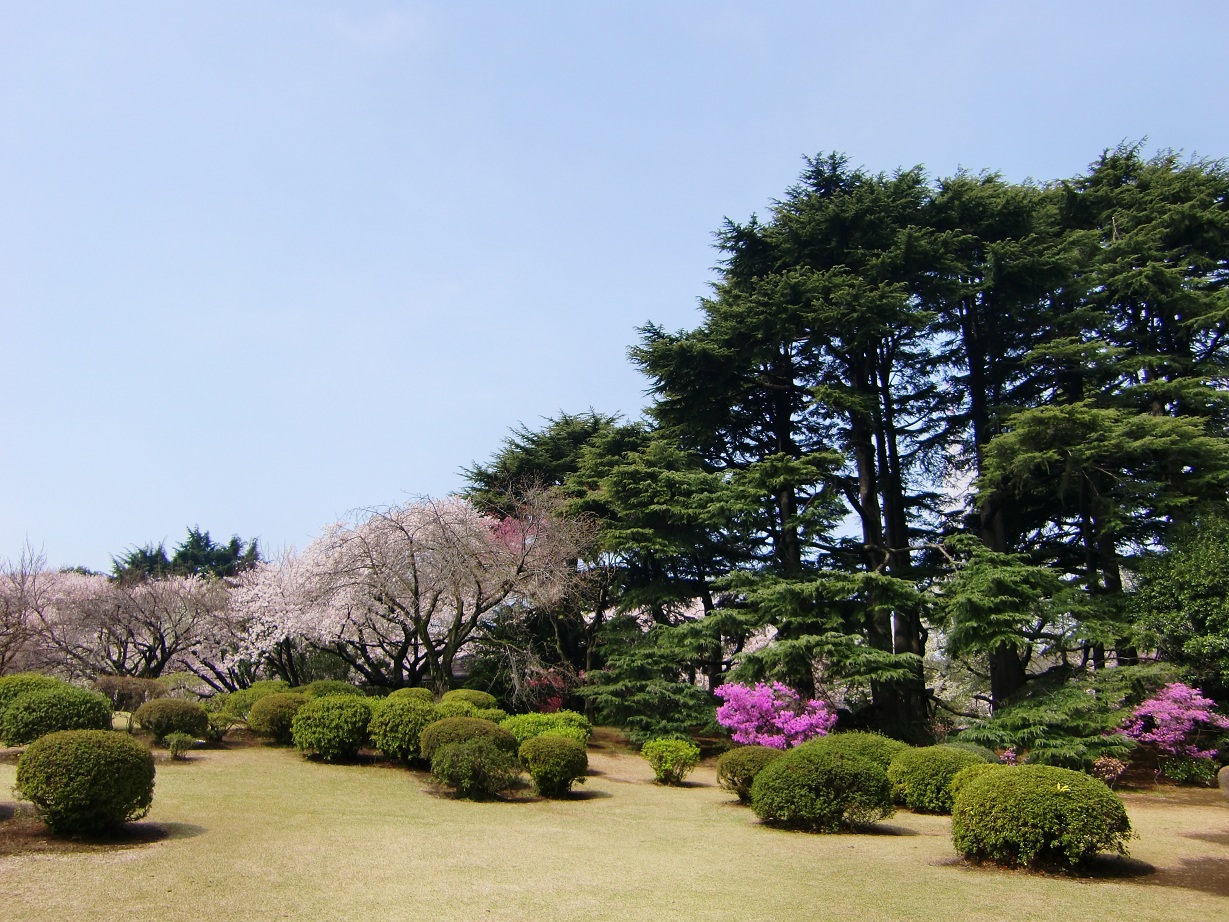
(259, 833)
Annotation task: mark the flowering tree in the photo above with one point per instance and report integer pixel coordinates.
(1176, 720)
(23, 595)
(771, 715)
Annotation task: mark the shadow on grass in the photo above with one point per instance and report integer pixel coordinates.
(584, 795)
(23, 833)
(1216, 838)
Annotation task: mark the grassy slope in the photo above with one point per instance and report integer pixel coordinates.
(262, 834)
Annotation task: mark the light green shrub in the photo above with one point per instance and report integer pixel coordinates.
(479, 699)
(460, 730)
(672, 759)
(173, 715)
(273, 715)
(921, 778)
(736, 769)
(562, 723)
(333, 728)
(397, 730)
(554, 763)
(476, 768)
(821, 790)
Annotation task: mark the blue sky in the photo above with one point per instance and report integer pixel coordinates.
(263, 264)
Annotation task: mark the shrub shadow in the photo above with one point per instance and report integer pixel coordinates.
(584, 795)
(1216, 838)
(23, 833)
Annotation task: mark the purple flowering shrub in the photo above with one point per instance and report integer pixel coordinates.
(1176, 720)
(771, 715)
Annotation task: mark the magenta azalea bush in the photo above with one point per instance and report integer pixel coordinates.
(1175, 721)
(771, 715)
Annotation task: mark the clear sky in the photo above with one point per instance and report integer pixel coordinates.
(265, 263)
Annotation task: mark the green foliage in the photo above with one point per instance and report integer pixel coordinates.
(736, 769)
(21, 682)
(672, 759)
(969, 773)
(37, 713)
(921, 777)
(323, 688)
(1036, 816)
(417, 693)
(219, 725)
(178, 743)
(479, 699)
(239, 703)
(456, 708)
(554, 763)
(273, 715)
(198, 554)
(397, 729)
(821, 789)
(561, 723)
(461, 729)
(494, 715)
(333, 727)
(477, 768)
(86, 781)
(861, 744)
(127, 693)
(987, 755)
(173, 715)
(1186, 770)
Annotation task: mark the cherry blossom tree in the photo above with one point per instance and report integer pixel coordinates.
(23, 596)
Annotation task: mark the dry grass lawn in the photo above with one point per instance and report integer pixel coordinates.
(259, 833)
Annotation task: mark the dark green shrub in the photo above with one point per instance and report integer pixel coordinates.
(970, 773)
(476, 768)
(562, 723)
(239, 703)
(455, 708)
(87, 780)
(273, 715)
(479, 699)
(173, 715)
(37, 713)
(333, 727)
(921, 778)
(177, 744)
(219, 725)
(327, 688)
(397, 730)
(554, 763)
(861, 744)
(461, 729)
(672, 760)
(1186, 770)
(11, 686)
(419, 694)
(736, 769)
(987, 755)
(1037, 816)
(821, 790)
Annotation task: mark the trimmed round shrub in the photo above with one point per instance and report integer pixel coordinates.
(494, 715)
(921, 778)
(987, 754)
(1038, 816)
(177, 744)
(862, 744)
(561, 723)
(736, 769)
(479, 699)
(87, 780)
(672, 759)
(334, 727)
(239, 703)
(327, 688)
(417, 693)
(460, 730)
(12, 686)
(970, 773)
(821, 790)
(273, 715)
(127, 693)
(554, 763)
(397, 729)
(476, 768)
(37, 713)
(173, 715)
(455, 708)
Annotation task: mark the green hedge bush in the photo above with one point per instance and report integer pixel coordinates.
(37, 713)
(333, 727)
(672, 759)
(862, 744)
(921, 778)
(461, 729)
(418, 694)
(494, 715)
(12, 686)
(273, 715)
(87, 780)
(127, 693)
(240, 703)
(477, 768)
(327, 688)
(554, 763)
(561, 723)
(736, 769)
(987, 754)
(970, 773)
(455, 708)
(397, 730)
(821, 790)
(173, 715)
(1038, 816)
(479, 699)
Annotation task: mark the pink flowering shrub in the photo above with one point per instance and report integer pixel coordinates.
(1175, 721)
(771, 715)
